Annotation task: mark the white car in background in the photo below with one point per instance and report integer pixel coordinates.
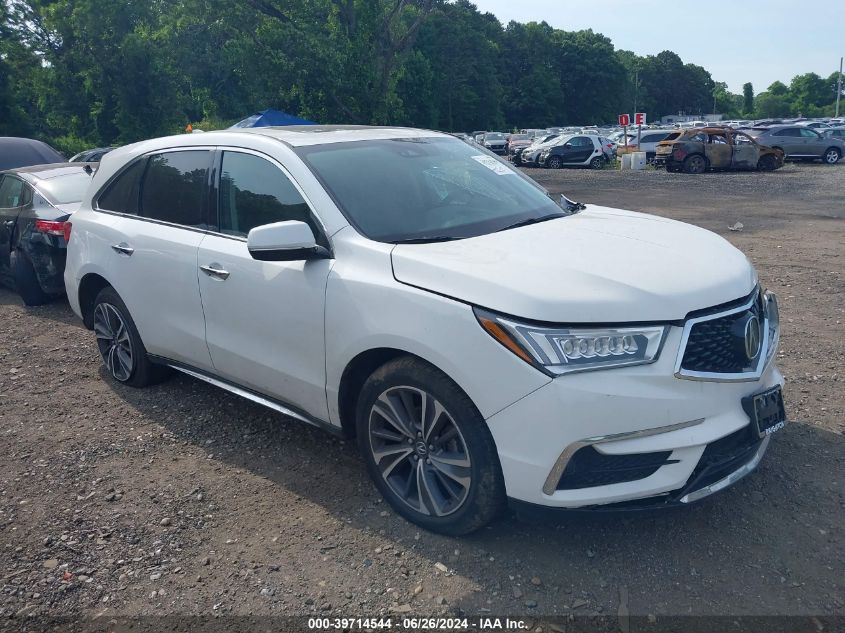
(480, 340)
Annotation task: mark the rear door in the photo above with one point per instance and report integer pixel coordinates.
(790, 140)
(152, 222)
(718, 151)
(11, 201)
(264, 320)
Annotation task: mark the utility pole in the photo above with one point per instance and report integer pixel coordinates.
(637, 87)
(839, 87)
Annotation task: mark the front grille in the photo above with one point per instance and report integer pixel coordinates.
(589, 468)
(718, 345)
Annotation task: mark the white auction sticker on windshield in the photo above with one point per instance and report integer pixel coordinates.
(493, 165)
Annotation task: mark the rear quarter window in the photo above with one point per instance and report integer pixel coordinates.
(673, 136)
(122, 194)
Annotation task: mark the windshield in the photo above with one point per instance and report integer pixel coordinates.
(65, 189)
(424, 188)
(495, 136)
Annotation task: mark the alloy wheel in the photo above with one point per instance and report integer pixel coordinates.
(114, 341)
(831, 157)
(420, 451)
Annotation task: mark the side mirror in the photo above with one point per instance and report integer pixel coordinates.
(568, 146)
(284, 242)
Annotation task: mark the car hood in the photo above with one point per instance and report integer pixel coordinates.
(599, 266)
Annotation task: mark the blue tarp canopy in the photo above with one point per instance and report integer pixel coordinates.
(266, 118)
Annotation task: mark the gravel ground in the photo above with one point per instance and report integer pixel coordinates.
(183, 499)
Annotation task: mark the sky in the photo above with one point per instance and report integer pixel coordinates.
(760, 41)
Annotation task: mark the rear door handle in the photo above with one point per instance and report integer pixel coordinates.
(123, 249)
(215, 271)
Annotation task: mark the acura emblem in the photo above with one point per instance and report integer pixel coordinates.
(752, 337)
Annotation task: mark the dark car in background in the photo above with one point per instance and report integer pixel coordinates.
(22, 152)
(800, 142)
(697, 150)
(496, 142)
(36, 203)
(90, 155)
(580, 150)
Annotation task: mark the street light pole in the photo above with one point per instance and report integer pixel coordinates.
(839, 87)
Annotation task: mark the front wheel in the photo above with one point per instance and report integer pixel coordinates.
(767, 163)
(120, 345)
(428, 449)
(831, 156)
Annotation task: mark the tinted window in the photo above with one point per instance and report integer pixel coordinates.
(809, 133)
(11, 192)
(653, 138)
(254, 192)
(424, 188)
(792, 131)
(174, 186)
(581, 141)
(122, 194)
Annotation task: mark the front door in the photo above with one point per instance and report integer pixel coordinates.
(746, 152)
(578, 150)
(264, 320)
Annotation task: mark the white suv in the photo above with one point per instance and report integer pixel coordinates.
(481, 341)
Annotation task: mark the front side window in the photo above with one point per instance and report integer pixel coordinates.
(254, 192)
(173, 188)
(395, 190)
(11, 192)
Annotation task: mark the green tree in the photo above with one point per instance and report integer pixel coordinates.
(748, 98)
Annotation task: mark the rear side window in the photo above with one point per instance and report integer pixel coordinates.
(11, 192)
(254, 192)
(673, 136)
(173, 188)
(122, 194)
(793, 131)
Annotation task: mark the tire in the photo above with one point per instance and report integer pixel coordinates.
(597, 163)
(695, 164)
(26, 281)
(409, 469)
(554, 162)
(831, 156)
(120, 345)
(767, 163)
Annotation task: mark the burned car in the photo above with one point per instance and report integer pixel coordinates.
(696, 150)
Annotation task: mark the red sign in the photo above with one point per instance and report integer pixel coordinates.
(624, 119)
(639, 118)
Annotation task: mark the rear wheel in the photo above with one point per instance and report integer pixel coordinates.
(767, 163)
(831, 156)
(428, 449)
(26, 280)
(597, 162)
(554, 162)
(120, 345)
(695, 164)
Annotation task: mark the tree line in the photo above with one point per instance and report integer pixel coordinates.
(80, 73)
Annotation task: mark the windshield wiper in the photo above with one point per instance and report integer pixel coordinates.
(529, 221)
(430, 239)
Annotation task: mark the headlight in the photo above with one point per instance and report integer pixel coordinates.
(557, 351)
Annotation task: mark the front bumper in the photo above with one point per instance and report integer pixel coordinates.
(635, 411)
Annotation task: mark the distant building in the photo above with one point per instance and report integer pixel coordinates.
(687, 118)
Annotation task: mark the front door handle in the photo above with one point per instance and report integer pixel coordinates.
(123, 249)
(215, 271)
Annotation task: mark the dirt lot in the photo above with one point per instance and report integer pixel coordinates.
(182, 499)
